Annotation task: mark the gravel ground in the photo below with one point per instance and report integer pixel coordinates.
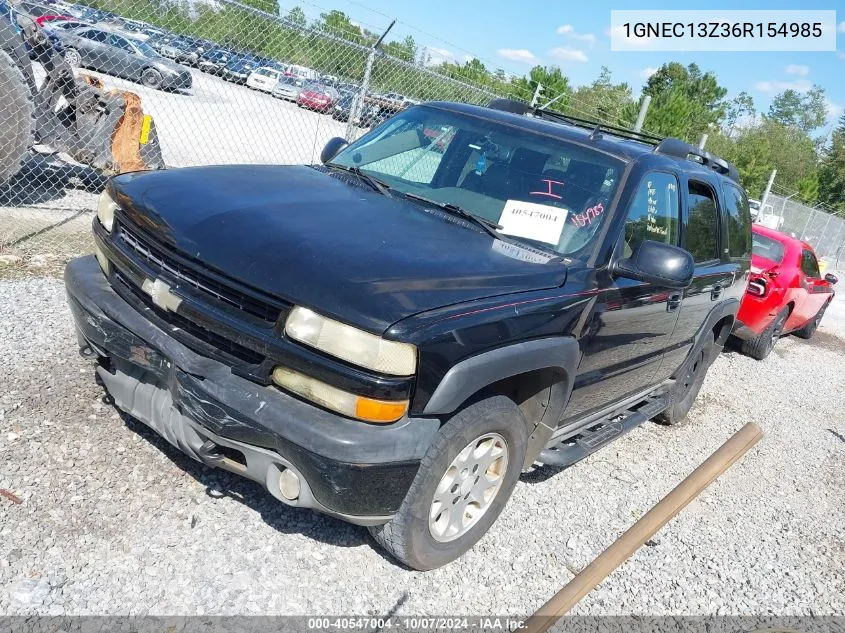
(112, 520)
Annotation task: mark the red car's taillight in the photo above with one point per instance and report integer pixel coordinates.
(757, 287)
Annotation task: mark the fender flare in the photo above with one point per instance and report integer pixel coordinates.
(562, 354)
(473, 374)
(729, 307)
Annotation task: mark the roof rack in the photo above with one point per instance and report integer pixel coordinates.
(680, 149)
(665, 146)
(518, 107)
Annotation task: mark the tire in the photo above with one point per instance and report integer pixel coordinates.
(151, 78)
(811, 326)
(762, 345)
(16, 117)
(688, 385)
(422, 540)
(72, 57)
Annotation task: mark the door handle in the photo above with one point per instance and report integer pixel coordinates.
(673, 302)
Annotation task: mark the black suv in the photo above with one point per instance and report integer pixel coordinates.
(393, 336)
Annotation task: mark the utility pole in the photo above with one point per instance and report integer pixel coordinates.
(703, 141)
(638, 126)
(768, 190)
(358, 101)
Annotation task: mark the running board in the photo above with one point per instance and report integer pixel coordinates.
(603, 431)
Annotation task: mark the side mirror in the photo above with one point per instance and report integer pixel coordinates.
(831, 278)
(657, 263)
(332, 148)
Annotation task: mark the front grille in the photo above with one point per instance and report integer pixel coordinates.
(192, 334)
(204, 284)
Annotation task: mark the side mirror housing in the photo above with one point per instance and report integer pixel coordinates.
(657, 263)
(332, 148)
(831, 278)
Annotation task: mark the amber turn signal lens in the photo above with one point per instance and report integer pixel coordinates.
(379, 410)
(349, 404)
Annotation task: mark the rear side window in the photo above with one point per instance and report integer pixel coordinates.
(809, 264)
(119, 42)
(97, 36)
(739, 222)
(702, 239)
(653, 214)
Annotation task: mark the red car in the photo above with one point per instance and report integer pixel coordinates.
(317, 97)
(786, 292)
(44, 19)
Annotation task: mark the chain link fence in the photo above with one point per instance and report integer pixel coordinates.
(223, 82)
(217, 82)
(823, 230)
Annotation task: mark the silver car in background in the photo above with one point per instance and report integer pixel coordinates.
(288, 88)
(121, 56)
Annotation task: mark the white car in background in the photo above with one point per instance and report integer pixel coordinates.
(264, 78)
(301, 72)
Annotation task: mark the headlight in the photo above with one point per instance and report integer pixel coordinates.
(105, 210)
(345, 403)
(351, 344)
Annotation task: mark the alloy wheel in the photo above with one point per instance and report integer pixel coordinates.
(468, 487)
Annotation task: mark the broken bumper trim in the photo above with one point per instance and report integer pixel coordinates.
(348, 468)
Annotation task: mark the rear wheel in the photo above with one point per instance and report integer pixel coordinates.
(151, 78)
(810, 327)
(688, 384)
(763, 344)
(464, 481)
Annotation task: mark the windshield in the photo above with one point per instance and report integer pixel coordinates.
(538, 188)
(767, 248)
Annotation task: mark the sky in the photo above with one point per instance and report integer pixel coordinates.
(517, 34)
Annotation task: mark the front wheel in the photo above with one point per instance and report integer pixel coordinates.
(463, 483)
(72, 57)
(151, 78)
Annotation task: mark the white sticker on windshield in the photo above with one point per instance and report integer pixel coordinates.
(533, 221)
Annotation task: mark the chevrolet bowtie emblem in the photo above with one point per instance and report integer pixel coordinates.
(161, 295)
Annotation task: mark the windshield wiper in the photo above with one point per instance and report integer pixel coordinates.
(491, 228)
(375, 183)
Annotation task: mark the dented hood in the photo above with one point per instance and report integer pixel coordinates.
(327, 243)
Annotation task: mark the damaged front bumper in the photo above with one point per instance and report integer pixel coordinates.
(346, 468)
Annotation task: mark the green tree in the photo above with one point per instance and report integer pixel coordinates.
(832, 171)
(296, 17)
(338, 24)
(806, 112)
(671, 115)
(808, 187)
(269, 6)
(405, 50)
(685, 102)
(554, 84)
(767, 145)
(603, 100)
(739, 109)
